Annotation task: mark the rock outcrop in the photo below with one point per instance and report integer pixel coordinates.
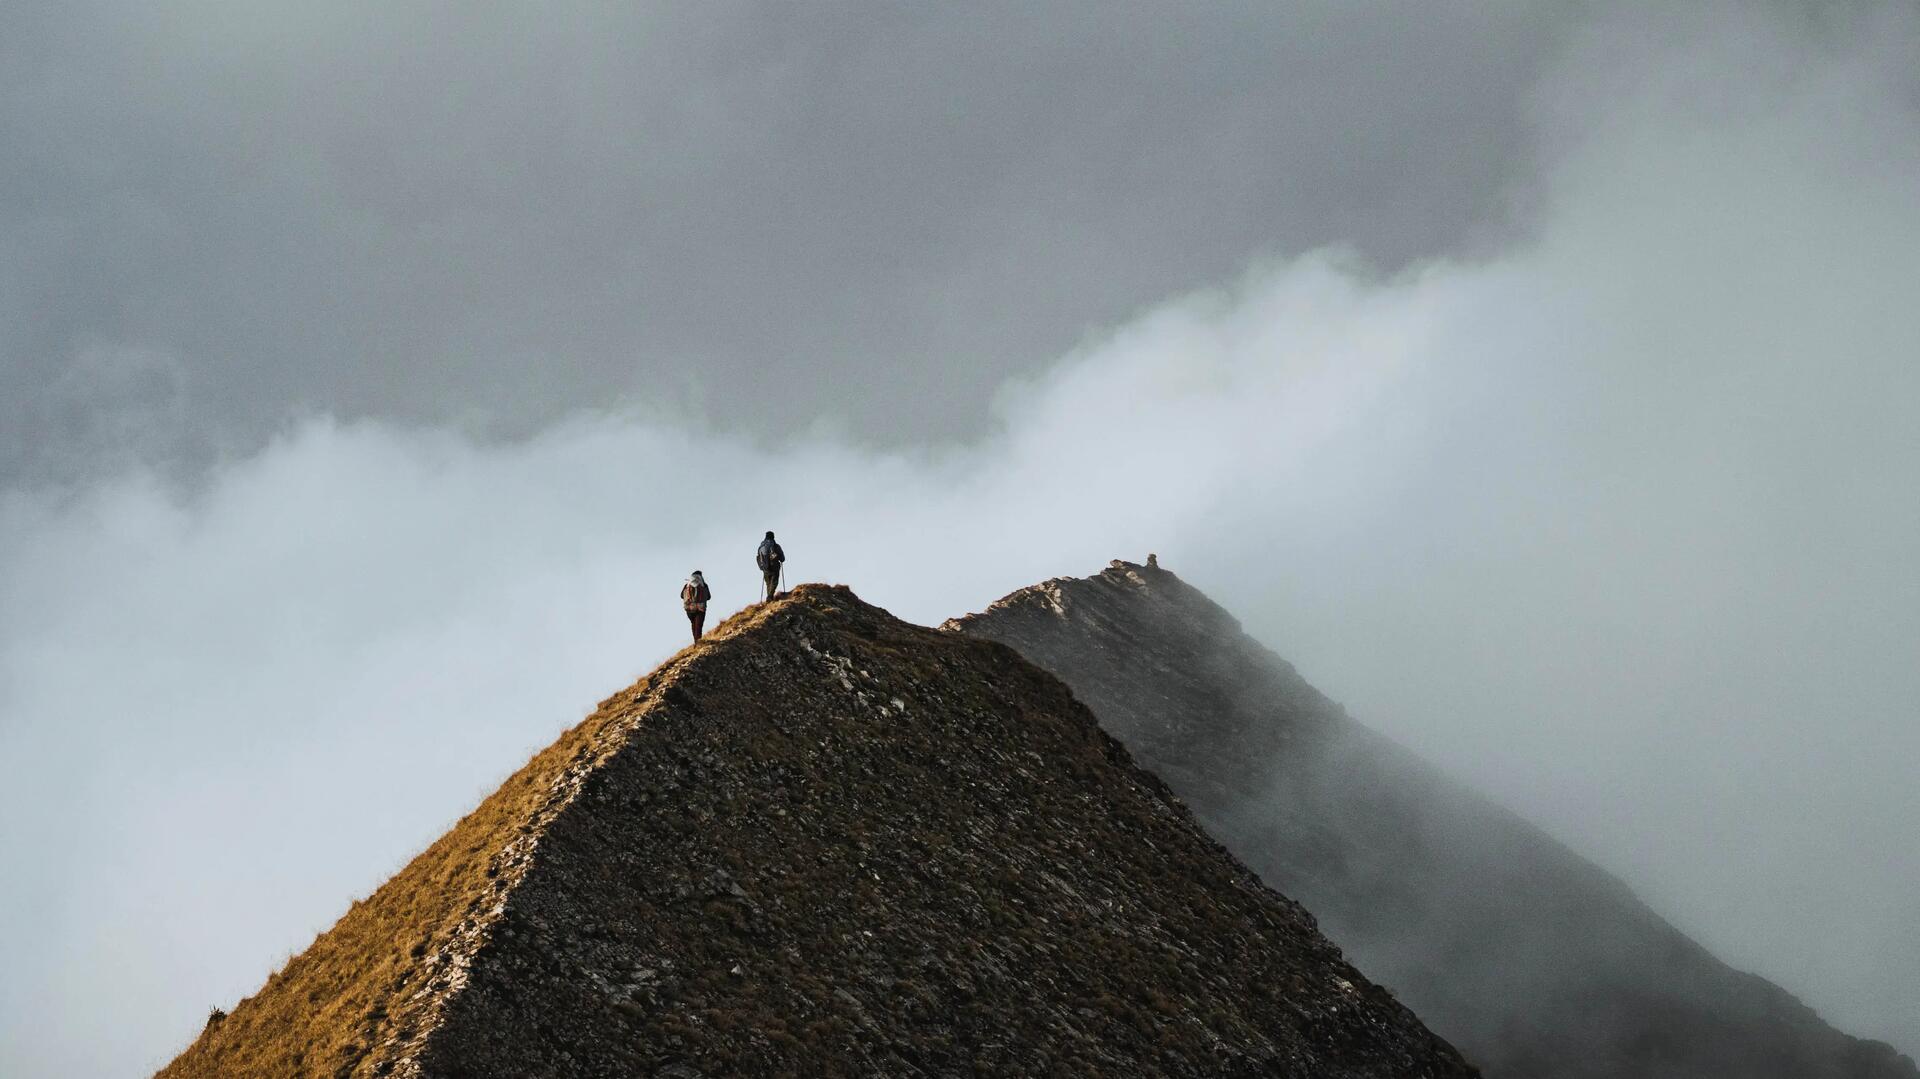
(824, 842)
(1531, 959)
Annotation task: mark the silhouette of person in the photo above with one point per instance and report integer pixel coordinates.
(770, 558)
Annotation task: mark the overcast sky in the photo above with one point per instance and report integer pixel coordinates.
(755, 215)
(1542, 383)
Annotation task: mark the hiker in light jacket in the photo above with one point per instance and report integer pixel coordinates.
(694, 596)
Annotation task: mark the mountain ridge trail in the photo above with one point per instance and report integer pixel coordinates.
(824, 841)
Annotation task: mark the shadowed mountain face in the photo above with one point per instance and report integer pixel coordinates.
(1529, 958)
(825, 842)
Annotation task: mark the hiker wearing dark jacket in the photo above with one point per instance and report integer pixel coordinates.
(769, 558)
(694, 596)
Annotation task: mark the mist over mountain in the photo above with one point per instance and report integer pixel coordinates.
(1530, 958)
(1539, 379)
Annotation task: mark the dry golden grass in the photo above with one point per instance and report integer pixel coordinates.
(361, 998)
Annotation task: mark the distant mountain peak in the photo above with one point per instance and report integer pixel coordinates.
(1531, 959)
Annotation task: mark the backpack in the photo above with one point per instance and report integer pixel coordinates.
(769, 556)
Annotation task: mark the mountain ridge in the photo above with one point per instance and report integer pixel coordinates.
(1529, 957)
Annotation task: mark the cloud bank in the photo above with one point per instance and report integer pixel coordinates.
(1615, 523)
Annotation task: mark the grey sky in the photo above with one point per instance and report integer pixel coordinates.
(761, 215)
(1602, 498)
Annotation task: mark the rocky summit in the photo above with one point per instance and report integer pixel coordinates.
(1531, 959)
(825, 842)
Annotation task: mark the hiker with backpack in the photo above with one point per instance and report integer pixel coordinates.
(694, 596)
(770, 558)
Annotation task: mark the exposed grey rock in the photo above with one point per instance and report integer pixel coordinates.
(743, 866)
